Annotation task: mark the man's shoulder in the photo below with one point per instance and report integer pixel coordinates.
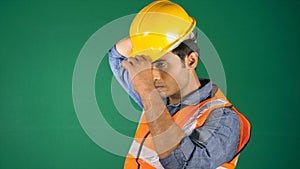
(224, 112)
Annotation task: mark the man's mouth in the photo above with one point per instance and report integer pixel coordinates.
(159, 87)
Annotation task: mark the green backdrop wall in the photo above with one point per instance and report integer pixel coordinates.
(257, 41)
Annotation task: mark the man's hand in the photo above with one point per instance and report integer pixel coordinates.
(139, 69)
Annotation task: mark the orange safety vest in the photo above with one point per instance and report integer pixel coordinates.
(142, 151)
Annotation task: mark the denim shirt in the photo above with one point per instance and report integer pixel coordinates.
(210, 145)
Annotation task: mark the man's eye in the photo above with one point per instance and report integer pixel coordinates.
(161, 65)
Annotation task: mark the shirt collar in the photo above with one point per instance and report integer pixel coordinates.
(200, 94)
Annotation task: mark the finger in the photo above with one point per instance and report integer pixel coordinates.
(147, 58)
(131, 60)
(137, 58)
(143, 57)
(126, 64)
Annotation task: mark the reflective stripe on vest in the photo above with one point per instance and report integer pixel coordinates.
(188, 118)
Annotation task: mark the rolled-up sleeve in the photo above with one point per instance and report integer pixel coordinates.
(209, 146)
(121, 74)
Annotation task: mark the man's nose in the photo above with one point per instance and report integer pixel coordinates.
(156, 74)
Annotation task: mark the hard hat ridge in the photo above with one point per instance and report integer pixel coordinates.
(191, 42)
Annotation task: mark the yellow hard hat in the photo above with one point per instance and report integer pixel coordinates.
(158, 28)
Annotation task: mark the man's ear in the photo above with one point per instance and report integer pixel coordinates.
(191, 61)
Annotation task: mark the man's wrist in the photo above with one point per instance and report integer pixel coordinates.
(146, 93)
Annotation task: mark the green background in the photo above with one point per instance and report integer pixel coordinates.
(257, 41)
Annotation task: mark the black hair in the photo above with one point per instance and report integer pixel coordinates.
(182, 50)
(186, 47)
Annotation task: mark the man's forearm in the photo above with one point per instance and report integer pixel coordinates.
(166, 134)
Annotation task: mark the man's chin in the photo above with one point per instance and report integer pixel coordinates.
(161, 93)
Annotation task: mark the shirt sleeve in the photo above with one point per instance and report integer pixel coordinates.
(209, 146)
(121, 74)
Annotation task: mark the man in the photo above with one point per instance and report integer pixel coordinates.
(187, 122)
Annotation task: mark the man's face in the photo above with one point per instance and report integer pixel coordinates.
(170, 75)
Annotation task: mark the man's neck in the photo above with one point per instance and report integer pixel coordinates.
(191, 87)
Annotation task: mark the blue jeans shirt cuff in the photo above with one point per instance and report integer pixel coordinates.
(180, 155)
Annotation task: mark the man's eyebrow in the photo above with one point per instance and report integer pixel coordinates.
(159, 60)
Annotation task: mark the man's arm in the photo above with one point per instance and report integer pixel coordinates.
(161, 124)
(117, 55)
(165, 132)
(209, 146)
